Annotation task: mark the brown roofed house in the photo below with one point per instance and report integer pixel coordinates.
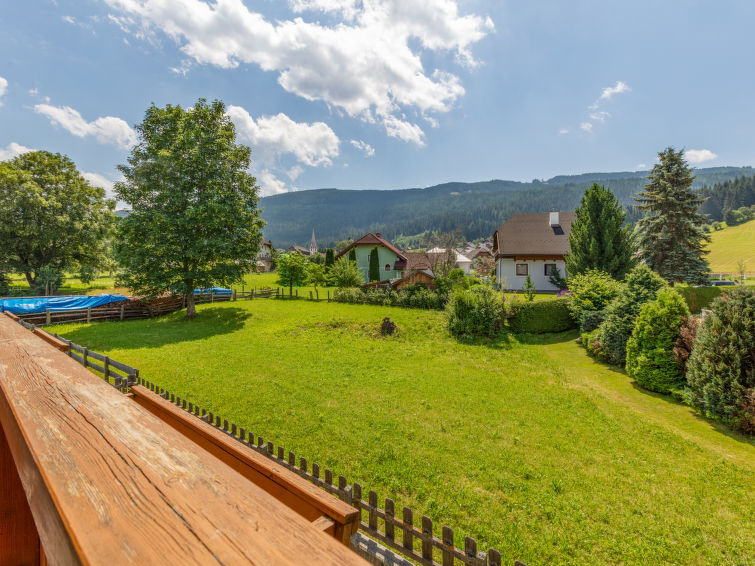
(534, 245)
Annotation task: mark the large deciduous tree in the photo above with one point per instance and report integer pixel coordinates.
(670, 235)
(50, 217)
(194, 219)
(598, 239)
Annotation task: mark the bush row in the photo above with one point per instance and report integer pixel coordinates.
(415, 298)
(538, 317)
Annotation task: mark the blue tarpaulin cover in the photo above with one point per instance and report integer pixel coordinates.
(56, 304)
(216, 290)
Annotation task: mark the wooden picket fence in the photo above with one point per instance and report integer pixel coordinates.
(415, 538)
(280, 293)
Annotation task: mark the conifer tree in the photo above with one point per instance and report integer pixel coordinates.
(353, 254)
(598, 239)
(329, 258)
(670, 235)
(374, 265)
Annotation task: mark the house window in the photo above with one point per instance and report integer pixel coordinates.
(550, 269)
(521, 269)
(387, 266)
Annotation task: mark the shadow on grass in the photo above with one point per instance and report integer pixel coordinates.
(548, 338)
(157, 332)
(715, 425)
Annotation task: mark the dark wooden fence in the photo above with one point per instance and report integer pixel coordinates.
(415, 537)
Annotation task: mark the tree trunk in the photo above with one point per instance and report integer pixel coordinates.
(29, 278)
(191, 310)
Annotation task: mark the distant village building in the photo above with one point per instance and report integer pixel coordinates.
(302, 250)
(399, 269)
(392, 261)
(313, 244)
(265, 256)
(534, 245)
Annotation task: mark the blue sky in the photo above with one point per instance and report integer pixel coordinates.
(367, 94)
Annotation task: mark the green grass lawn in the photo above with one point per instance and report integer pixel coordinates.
(730, 245)
(526, 444)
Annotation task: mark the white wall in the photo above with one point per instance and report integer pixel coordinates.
(508, 279)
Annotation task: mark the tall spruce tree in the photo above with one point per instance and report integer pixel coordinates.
(670, 235)
(598, 239)
(353, 254)
(374, 271)
(329, 258)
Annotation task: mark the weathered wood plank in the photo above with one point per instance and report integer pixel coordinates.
(111, 483)
(265, 472)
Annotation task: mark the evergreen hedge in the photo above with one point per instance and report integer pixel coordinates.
(721, 368)
(650, 354)
(539, 317)
(610, 340)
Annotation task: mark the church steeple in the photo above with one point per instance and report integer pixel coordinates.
(313, 243)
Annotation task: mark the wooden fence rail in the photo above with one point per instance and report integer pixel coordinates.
(416, 540)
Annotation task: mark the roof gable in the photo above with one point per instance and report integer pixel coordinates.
(371, 239)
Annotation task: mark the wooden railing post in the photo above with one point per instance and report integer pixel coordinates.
(19, 540)
(47, 315)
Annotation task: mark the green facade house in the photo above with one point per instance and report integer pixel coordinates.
(392, 260)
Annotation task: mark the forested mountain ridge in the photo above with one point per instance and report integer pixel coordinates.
(476, 208)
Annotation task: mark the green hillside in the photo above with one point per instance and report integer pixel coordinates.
(732, 244)
(476, 208)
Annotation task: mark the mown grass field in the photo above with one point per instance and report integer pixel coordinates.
(731, 245)
(525, 444)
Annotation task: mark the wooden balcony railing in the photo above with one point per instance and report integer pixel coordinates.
(88, 476)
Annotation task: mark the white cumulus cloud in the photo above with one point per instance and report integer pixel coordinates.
(586, 126)
(3, 88)
(699, 155)
(270, 184)
(367, 62)
(364, 147)
(313, 144)
(97, 180)
(106, 129)
(12, 150)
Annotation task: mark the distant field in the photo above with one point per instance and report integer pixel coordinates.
(526, 444)
(732, 244)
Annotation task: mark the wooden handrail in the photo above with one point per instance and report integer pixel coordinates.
(306, 499)
(107, 482)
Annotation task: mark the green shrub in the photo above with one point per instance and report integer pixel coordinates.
(641, 286)
(699, 298)
(721, 368)
(592, 290)
(591, 344)
(478, 311)
(538, 317)
(650, 354)
(591, 320)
